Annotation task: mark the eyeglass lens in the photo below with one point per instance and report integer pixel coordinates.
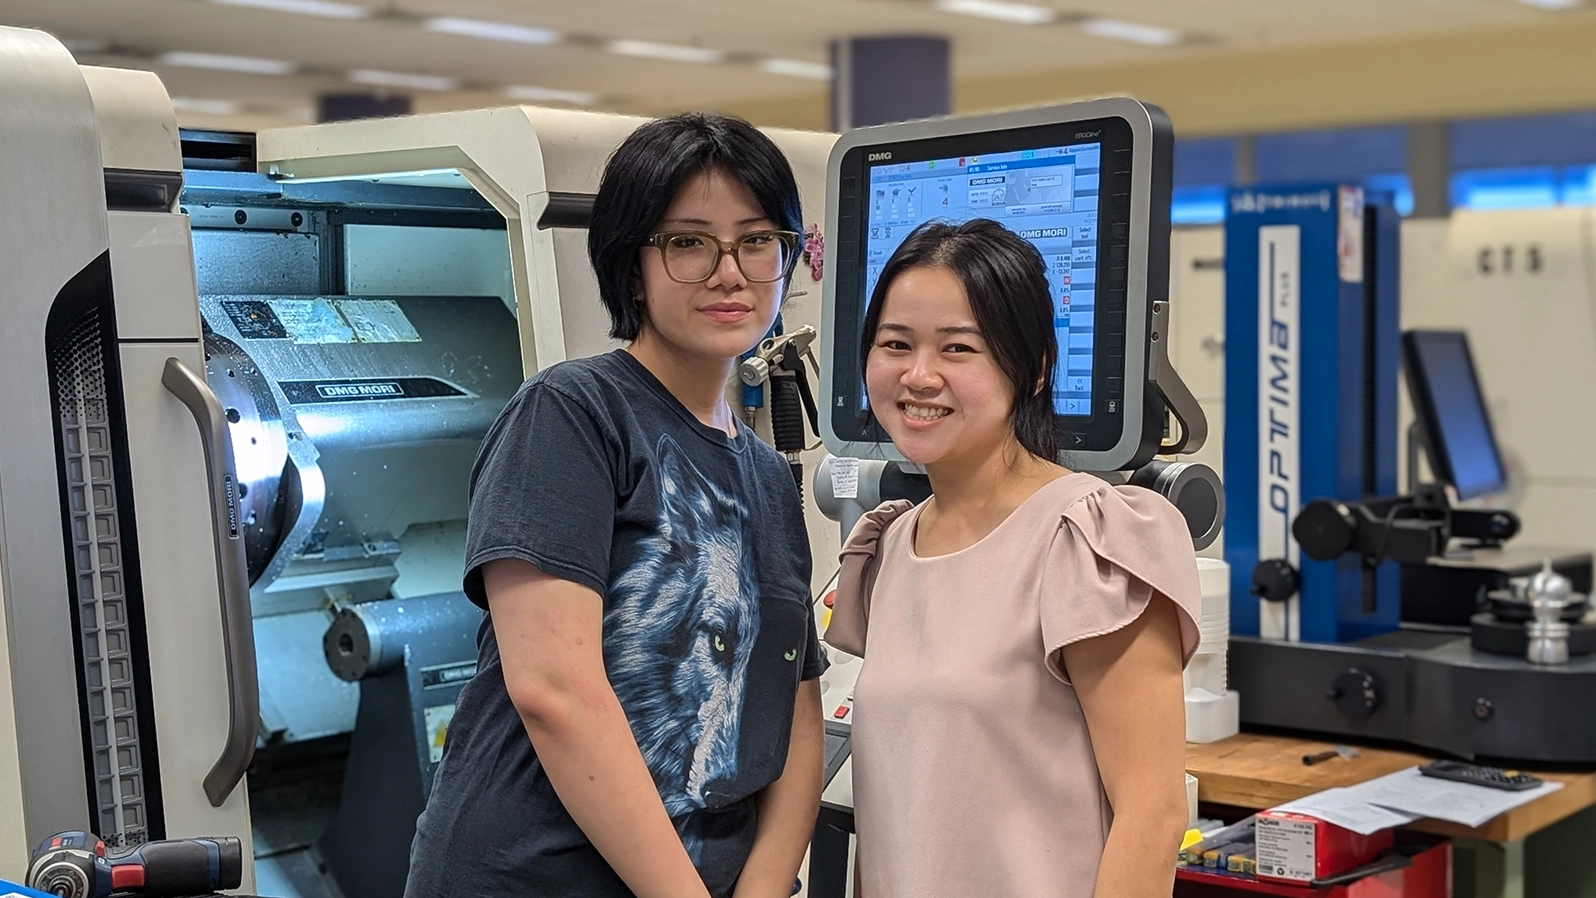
(693, 257)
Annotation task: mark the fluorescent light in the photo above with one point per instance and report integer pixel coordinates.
(1003, 11)
(492, 31)
(205, 107)
(672, 52)
(1114, 29)
(408, 80)
(1553, 4)
(797, 68)
(533, 94)
(247, 64)
(327, 9)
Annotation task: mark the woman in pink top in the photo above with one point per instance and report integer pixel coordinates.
(1019, 715)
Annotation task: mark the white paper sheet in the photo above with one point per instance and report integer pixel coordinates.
(1410, 792)
(1348, 809)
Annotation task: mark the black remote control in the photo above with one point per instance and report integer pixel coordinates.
(1479, 775)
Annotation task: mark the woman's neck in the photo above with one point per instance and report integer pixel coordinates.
(699, 384)
(991, 484)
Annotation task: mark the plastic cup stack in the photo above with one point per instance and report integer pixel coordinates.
(1212, 711)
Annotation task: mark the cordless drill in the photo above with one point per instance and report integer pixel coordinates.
(76, 865)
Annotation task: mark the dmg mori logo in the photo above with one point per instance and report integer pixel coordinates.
(880, 157)
(356, 391)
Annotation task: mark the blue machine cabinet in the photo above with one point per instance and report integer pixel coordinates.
(1312, 349)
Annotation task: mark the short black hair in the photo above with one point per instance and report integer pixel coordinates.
(1005, 279)
(642, 179)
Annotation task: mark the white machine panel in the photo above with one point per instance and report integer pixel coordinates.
(1521, 284)
(154, 250)
(1197, 337)
(183, 615)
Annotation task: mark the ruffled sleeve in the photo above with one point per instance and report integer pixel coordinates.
(1114, 549)
(850, 610)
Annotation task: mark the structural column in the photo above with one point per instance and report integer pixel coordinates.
(890, 79)
(344, 107)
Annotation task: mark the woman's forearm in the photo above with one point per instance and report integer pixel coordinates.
(787, 807)
(1139, 856)
(588, 751)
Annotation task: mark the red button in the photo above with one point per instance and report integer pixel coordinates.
(842, 711)
(127, 876)
(831, 597)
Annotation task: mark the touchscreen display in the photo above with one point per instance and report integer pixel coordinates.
(1047, 195)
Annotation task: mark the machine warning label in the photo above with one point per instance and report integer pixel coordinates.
(436, 721)
(313, 321)
(378, 321)
(305, 392)
(255, 320)
(448, 674)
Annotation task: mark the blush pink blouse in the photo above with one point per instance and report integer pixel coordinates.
(973, 773)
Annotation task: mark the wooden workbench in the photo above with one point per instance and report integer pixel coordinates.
(1255, 771)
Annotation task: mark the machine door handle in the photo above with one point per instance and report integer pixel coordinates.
(238, 632)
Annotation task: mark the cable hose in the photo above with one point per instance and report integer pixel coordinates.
(786, 415)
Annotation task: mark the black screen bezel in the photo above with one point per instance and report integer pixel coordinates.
(1101, 430)
(1420, 378)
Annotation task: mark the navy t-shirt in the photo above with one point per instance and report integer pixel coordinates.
(596, 474)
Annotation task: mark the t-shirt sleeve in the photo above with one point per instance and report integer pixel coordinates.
(815, 660)
(850, 609)
(1113, 550)
(543, 491)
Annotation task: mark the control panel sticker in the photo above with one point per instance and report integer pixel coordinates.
(313, 321)
(378, 321)
(436, 722)
(304, 392)
(448, 674)
(255, 320)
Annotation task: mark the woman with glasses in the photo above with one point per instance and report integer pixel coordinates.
(645, 719)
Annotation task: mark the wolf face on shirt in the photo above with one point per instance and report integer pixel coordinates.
(686, 615)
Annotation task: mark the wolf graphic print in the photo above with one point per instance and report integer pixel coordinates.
(684, 615)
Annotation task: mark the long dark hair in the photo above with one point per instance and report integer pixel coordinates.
(642, 178)
(1005, 279)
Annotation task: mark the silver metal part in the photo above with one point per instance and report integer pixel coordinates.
(1549, 594)
(353, 418)
(373, 638)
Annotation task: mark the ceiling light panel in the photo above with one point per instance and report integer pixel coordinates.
(1553, 4)
(671, 52)
(1117, 30)
(492, 31)
(249, 65)
(1002, 11)
(796, 68)
(327, 9)
(407, 80)
(527, 93)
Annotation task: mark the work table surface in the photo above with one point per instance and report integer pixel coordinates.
(1259, 771)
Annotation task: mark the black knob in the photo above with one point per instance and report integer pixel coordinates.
(1355, 693)
(1275, 580)
(1326, 530)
